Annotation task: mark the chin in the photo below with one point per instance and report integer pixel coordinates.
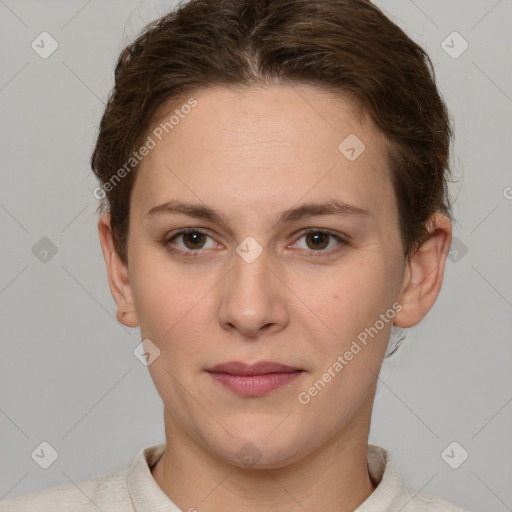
(260, 446)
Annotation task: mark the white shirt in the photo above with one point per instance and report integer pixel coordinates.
(135, 490)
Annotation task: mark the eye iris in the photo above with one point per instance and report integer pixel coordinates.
(320, 240)
(193, 240)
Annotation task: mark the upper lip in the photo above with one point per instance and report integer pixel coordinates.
(261, 368)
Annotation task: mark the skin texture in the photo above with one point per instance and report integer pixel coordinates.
(251, 154)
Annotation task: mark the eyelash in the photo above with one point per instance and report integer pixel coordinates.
(197, 253)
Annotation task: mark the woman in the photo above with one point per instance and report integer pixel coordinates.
(273, 201)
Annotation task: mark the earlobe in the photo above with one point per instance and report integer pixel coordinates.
(424, 273)
(117, 272)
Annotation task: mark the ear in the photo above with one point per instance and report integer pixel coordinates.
(117, 272)
(424, 273)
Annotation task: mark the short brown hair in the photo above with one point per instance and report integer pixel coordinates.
(346, 46)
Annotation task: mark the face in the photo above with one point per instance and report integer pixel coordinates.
(291, 254)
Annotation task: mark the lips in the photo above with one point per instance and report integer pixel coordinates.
(262, 368)
(254, 380)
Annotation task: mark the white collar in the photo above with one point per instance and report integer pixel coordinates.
(147, 495)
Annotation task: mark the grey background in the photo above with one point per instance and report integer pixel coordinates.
(68, 375)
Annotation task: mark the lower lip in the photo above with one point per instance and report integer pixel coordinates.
(255, 385)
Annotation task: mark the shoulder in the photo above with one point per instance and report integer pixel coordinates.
(393, 494)
(413, 500)
(104, 492)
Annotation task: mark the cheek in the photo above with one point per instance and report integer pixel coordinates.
(353, 289)
(353, 299)
(162, 295)
(175, 307)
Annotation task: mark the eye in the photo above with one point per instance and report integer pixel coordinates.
(319, 241)
(191, 240)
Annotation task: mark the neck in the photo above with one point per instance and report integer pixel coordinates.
(196, 480)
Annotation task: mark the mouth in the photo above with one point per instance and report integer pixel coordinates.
(254, 380)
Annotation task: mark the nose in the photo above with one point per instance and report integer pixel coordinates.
(253, 299)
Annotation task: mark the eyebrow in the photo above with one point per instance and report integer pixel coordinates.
(333, 207)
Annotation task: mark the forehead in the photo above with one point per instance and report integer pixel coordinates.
(265, 147)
